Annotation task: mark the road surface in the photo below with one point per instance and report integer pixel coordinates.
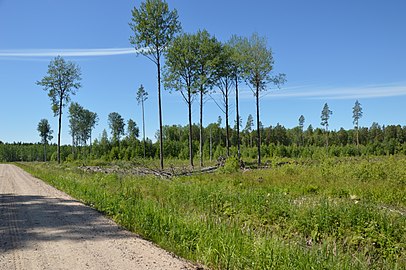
(43, 228)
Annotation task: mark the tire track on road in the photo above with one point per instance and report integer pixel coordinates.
(10, 231)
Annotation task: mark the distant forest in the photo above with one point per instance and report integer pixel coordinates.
(278, 141)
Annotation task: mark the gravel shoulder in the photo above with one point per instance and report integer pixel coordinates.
(44, 228)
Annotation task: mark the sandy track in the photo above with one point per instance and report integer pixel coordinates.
(43, 228)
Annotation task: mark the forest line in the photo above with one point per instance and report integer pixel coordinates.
(278, 141)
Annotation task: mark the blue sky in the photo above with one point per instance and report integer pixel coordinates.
(331, 51)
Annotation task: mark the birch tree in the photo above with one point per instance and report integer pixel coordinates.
(154, 27)
(258, 65)
(62, 80)
(45, 132)
(181, 74)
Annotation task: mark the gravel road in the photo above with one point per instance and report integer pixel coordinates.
(44, 228)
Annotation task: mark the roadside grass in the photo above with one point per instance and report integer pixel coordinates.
(346, 213)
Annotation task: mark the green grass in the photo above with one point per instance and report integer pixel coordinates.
(336, 214)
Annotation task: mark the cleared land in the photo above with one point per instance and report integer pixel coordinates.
(333, 213)
(44, 228)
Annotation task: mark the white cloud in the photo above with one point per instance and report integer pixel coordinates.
(66, 52)
(335, 93)
(368, 92)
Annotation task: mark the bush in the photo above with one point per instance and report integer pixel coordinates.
(231, 165)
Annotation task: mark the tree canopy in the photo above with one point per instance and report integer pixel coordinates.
(81, 122)
(116, 124)
(154, 26)
(325, 116)
(132, 129)
(45, 132)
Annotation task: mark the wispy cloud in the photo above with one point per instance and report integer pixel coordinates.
(336, 93)
(66, 52)
(352, 92)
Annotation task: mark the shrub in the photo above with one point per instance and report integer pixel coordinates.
(231, 165)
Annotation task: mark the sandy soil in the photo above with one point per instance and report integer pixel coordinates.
(43, 228)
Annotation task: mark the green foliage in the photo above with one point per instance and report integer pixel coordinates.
(176, 145)
(63, 79)
(132, 130)
(142, 95)
(26, 152)
(153, 26)
(232, 164)
(45, 132)
(356, 113)
(116, 124)
(325, 115)
(301, 121)
(81, 123)
(182, 65)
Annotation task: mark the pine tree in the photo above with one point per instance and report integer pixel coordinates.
(325, 116)
(356, 115)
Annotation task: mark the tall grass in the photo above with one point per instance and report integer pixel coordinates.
(335, 214)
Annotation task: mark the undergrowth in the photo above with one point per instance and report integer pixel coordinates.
(334, 214)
